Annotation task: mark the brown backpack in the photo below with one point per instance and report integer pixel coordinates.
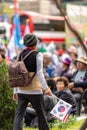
(18, 73)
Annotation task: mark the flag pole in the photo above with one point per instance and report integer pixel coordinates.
(27, 29)
(16, 6)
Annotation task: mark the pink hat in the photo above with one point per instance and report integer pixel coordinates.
(66, 61)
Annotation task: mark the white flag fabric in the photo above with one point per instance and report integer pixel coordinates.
(12, 47)
(61, 110)
(27, 30)
(51, 47)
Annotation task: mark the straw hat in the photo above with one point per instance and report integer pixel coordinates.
(82, 59)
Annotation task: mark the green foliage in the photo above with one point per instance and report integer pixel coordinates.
(59, 125)
(62, 125)
(7, 105)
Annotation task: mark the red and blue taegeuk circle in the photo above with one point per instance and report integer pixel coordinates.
(61, 109)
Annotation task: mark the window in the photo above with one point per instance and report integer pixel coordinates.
(50, 25)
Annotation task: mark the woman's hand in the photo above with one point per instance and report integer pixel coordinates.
(48, 91)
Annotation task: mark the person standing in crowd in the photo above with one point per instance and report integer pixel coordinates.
(32, 93)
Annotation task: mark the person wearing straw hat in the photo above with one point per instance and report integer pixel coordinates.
(82, 59)
(79, 79)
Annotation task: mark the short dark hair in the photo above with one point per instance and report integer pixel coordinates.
(51, 83)
(64, 80)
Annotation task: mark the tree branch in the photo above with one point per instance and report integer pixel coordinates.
(57, 2)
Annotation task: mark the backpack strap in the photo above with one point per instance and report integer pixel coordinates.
(25, 58)
(28, 54)
(33, 76)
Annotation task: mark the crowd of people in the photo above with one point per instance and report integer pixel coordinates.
(62, 75)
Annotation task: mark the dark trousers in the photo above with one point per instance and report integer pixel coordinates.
(78, 101)
(37, 103)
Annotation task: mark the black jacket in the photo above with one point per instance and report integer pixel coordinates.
(68, 97)
(83, 83)
(30, 61)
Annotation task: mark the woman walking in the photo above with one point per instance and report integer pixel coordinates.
(32, 93)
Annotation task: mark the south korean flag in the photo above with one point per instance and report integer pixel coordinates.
(61, 110)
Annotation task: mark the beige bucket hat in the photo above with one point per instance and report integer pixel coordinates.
(82, 59)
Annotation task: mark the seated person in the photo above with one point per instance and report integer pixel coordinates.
(65, 68)
(78, 80)
(64, 93)
(30, 117)
(49, 67)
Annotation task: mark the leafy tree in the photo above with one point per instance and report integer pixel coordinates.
(7, 105)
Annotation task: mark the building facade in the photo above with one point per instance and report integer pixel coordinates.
(40, 6)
